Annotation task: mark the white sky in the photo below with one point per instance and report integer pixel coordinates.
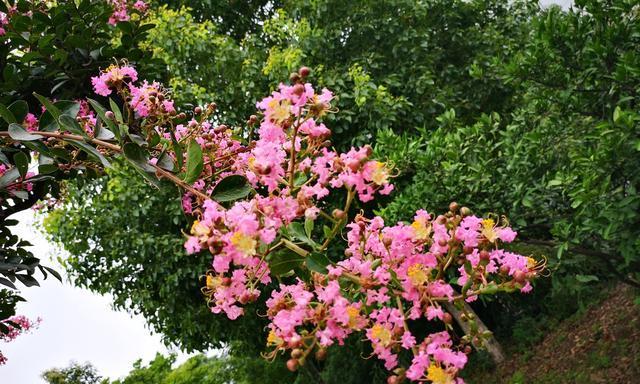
(76, 325)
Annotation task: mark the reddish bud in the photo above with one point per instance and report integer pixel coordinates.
(321, 354)
(447, 318)
(304, 71)
(110, 115)
(338, 214)
(292, 365)
(485, 255)
(393, 379)
(298, 89)
(182, 115)
(197, 110)
(453, 207)
(294, 78)
(520, 277)
(296, 353)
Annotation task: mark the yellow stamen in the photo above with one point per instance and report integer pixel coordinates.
(243, 243)
(438, 375)
(417, 274)
(382, 334)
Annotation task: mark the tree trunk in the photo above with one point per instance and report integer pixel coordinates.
(491, 344)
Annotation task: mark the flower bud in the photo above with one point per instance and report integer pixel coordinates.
(292, 365)
(220, 128)
(296, 353)
(197, 110)
(520, 277)
(212, 107)
(110, 115)
(368, 149)
(447, 318)
(298, 89)
(338, 214)
(294, 78)
(465, 211)
(253, 119)
(485, 255)
(182, 115)
(393, 380)
(504, 270)
(321, 354)
(193, 124)
(467, 250)
(304, 71)
(467, 349)
(453, 207)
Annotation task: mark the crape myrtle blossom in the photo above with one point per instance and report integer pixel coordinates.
(16, 326)
(260, 198)
(122, 8)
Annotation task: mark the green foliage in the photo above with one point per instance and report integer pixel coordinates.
(73, 374)
(563, 160)
(201, 369)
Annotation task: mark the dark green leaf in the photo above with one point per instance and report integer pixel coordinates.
(231, 188)
(317, 262)
(22, 162)
(16, 132)
(195, 162)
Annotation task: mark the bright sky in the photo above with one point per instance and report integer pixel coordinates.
(76, 325)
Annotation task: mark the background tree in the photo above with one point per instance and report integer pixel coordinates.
(75, 373)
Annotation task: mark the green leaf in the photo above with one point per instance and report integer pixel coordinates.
(165, 162)
(51, 108)
(4, 159)
(231, 188)
(27, 280)
(617, 114)
(71, 125)
(586, 278)
(19, 109)
(16, 132)
(6, 114)
(101, 111)
(177, 149)
(308, 226)
(137, 156)
(49, 123)
(284, 261)
(91, 151)
(22, 162)
(9, 177)
(115, 109)
(317, 262)
(195, 162)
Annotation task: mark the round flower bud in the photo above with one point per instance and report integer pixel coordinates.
(467, 350)
(392, 379)
(520, 277)
(193, 124)
(453, 207)
(292, 365)
(253, 119)
(296, 353)
(212, 107)
(182, 115)
(447, 318)
(485, 255)
(504, 270)
(338, 214)
(298, 89)
(110, 115)
(465, 211)
(321, 354)
(294, 78)
(304, 71)
(467, 250)
(220, 128)
(197, 110)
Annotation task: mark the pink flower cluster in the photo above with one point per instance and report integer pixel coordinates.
(113, 77)
(17, 325)
(405, 263)
(121, 9)
(4, 21)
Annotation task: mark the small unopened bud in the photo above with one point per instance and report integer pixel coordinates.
(197, 110)
(296, 353)
(338, 214)
(304, 71)
(294, 78)
(520, 277)
(298, 89)
(160, 96)
(453, 207)
(253, 119)
(447, 318)
(485, 255)
(193, 124)
(387, 241)
(182, 115)
(467, 350)
(110, 115)
(321, 354)
(442, 242)
(369, 150)
(220, 128)
(465, 211)
(392, 379)
(212, 107)
(467, 250)
(292, 365)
